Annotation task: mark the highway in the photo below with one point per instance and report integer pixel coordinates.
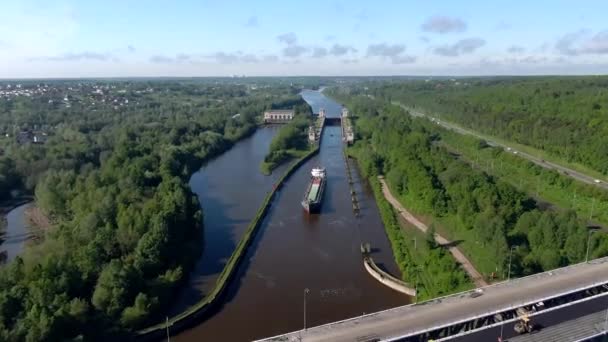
(400, 322)
(571, 323)
(538, 161)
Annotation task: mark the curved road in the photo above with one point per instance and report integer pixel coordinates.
(538, 161)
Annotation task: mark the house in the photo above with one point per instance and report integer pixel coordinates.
(24, 137)
(27, 137)
(278, 116)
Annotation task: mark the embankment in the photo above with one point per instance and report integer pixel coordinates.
(198, 311)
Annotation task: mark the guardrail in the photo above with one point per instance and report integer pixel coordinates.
(496, 311)
(530, 314)
(197, 311)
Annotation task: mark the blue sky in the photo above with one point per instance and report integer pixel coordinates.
(335, 37)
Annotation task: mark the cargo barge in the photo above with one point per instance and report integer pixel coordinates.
(314, 192)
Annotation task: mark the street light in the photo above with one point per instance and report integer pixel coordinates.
(606, 323)
(501, 329)
(510, 257)
(588, 243)
(306, 291)
(167, 326)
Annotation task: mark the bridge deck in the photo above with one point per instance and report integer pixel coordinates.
(574, 330)
(417, 318)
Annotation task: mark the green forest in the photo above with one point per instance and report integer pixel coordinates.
(487, 216)
(562, 116)
(113, 179)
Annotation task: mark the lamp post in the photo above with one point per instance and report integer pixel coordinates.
(306, 291)
(588, 243)
(501, 329)
(167, 325)
(510, 257)
(606, 323)
(417, 281)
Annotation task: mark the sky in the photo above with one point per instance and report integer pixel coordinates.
(129, 38)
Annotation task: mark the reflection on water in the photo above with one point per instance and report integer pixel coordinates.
(294, 250)
(14, 233)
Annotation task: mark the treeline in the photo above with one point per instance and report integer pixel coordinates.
(127, 229)
(485, 215)
(589, 201)
(564, 116)
(83, 133)
(292, 139)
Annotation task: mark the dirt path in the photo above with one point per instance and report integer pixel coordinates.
(458, 255)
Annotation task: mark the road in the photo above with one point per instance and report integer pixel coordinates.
(570, 323)
(456, 252)
(538, 161)
(411, 319)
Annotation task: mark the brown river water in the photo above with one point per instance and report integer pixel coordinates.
(292, 251)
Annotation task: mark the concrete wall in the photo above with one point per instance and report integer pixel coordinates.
(386, 278)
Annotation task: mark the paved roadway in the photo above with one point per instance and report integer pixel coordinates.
(538, 161)
(456, 252)
(411, 319)
(571, 323)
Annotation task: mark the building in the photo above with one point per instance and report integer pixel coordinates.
(277, 116)
(27, 137)
(344, 112)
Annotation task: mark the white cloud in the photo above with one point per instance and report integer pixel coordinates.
(516, 49)
(76, 57)
(394, 52)
(444, 24)
(319, 52)
(341, 50)
(463, 46)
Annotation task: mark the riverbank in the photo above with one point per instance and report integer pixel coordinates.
(285, 156)
(432, 271)
(198, 311)
(7, 206)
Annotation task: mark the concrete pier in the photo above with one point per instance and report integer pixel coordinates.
(386, 278)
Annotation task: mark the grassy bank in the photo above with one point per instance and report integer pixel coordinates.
(283, 156)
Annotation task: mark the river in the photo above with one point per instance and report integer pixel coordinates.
(231, 189)
(292, 250)
(15, 234)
